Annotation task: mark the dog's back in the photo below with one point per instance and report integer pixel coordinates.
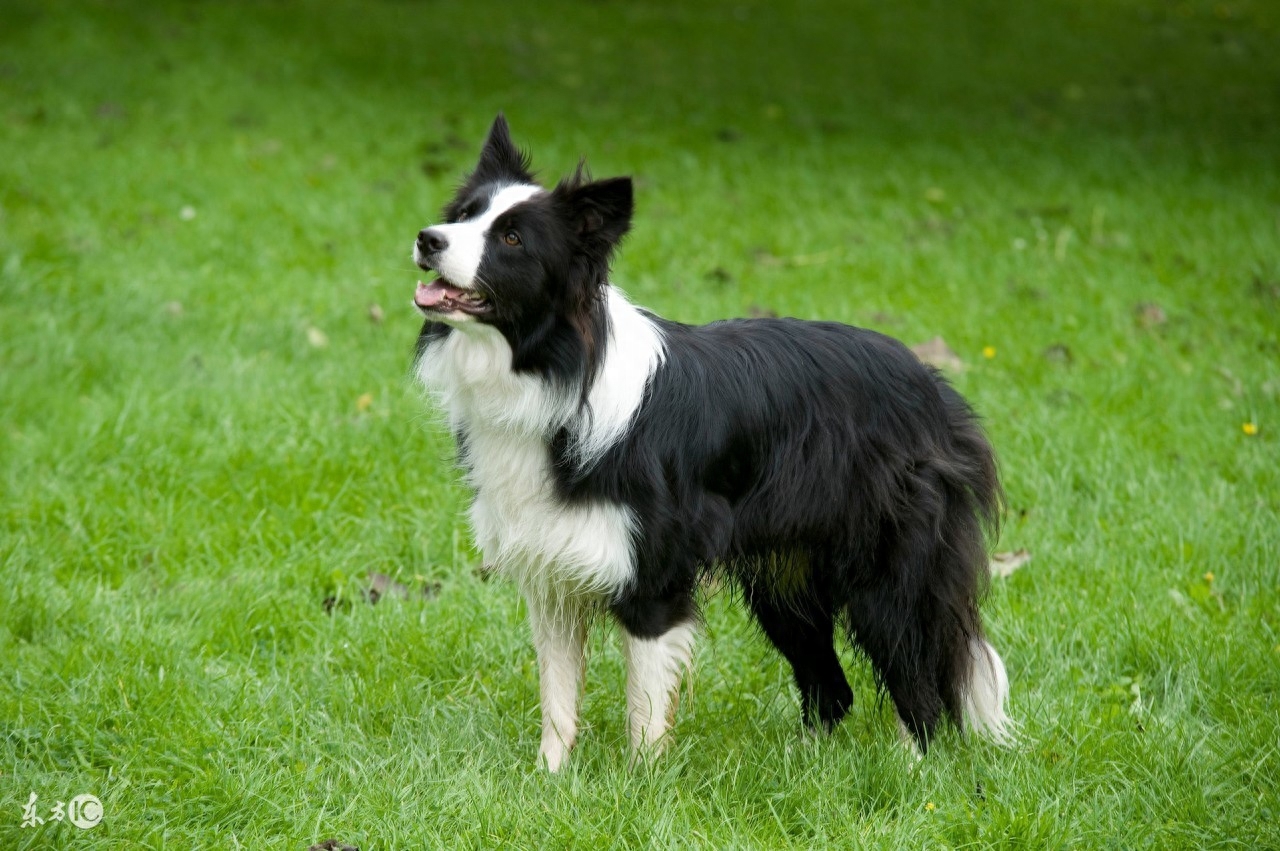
(837, 480)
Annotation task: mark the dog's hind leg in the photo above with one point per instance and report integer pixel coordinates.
(802, 630)
(560, 635)
(903, 650)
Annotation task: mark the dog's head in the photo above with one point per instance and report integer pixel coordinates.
(528, 261)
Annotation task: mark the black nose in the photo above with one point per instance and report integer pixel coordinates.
(431, 240)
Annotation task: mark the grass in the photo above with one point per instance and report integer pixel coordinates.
(203, 434)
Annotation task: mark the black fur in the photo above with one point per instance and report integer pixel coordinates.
(837, 480)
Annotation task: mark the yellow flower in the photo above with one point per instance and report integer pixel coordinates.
(1250, 429)
(988, 352)
(930, 807)
(1208, 577)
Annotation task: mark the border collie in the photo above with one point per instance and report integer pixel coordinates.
(617, 457)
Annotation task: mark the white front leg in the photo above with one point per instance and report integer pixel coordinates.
(654, 668)
(560, 636)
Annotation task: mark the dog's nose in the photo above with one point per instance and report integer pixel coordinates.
(431, 240)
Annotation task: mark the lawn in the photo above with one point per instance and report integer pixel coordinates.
(208, 426)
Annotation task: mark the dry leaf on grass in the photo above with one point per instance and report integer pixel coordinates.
(1058, 353)
(937, 353)
(1266, 289)
(719, 275)
(1148, 314)
(1004, 564)
(882, 318)
(380, 585)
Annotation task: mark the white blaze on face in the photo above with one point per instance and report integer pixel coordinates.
(460, 261)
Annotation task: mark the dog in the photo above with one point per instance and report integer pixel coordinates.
(617, 458)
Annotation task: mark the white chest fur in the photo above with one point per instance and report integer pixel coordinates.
(521, 526)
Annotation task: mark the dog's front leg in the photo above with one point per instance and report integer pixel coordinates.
(560, 636)
(654, 668)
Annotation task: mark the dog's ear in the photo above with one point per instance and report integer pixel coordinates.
(598, 213)
(601, 211)
(500, 159)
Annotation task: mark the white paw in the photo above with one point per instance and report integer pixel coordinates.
(553, 754)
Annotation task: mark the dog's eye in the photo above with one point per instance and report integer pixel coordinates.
(462, 216)
(511, 238)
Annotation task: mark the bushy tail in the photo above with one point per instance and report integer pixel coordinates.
(977, 690)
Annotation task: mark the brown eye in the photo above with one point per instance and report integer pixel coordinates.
(511, 238)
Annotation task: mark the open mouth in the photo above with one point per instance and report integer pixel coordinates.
(440, 296)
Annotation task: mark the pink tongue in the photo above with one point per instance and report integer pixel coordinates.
(429, 295)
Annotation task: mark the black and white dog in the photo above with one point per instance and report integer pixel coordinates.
(616, 457)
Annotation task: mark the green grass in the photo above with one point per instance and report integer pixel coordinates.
(185, 476)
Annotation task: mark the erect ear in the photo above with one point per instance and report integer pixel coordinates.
(500, 159)
(602, 210)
